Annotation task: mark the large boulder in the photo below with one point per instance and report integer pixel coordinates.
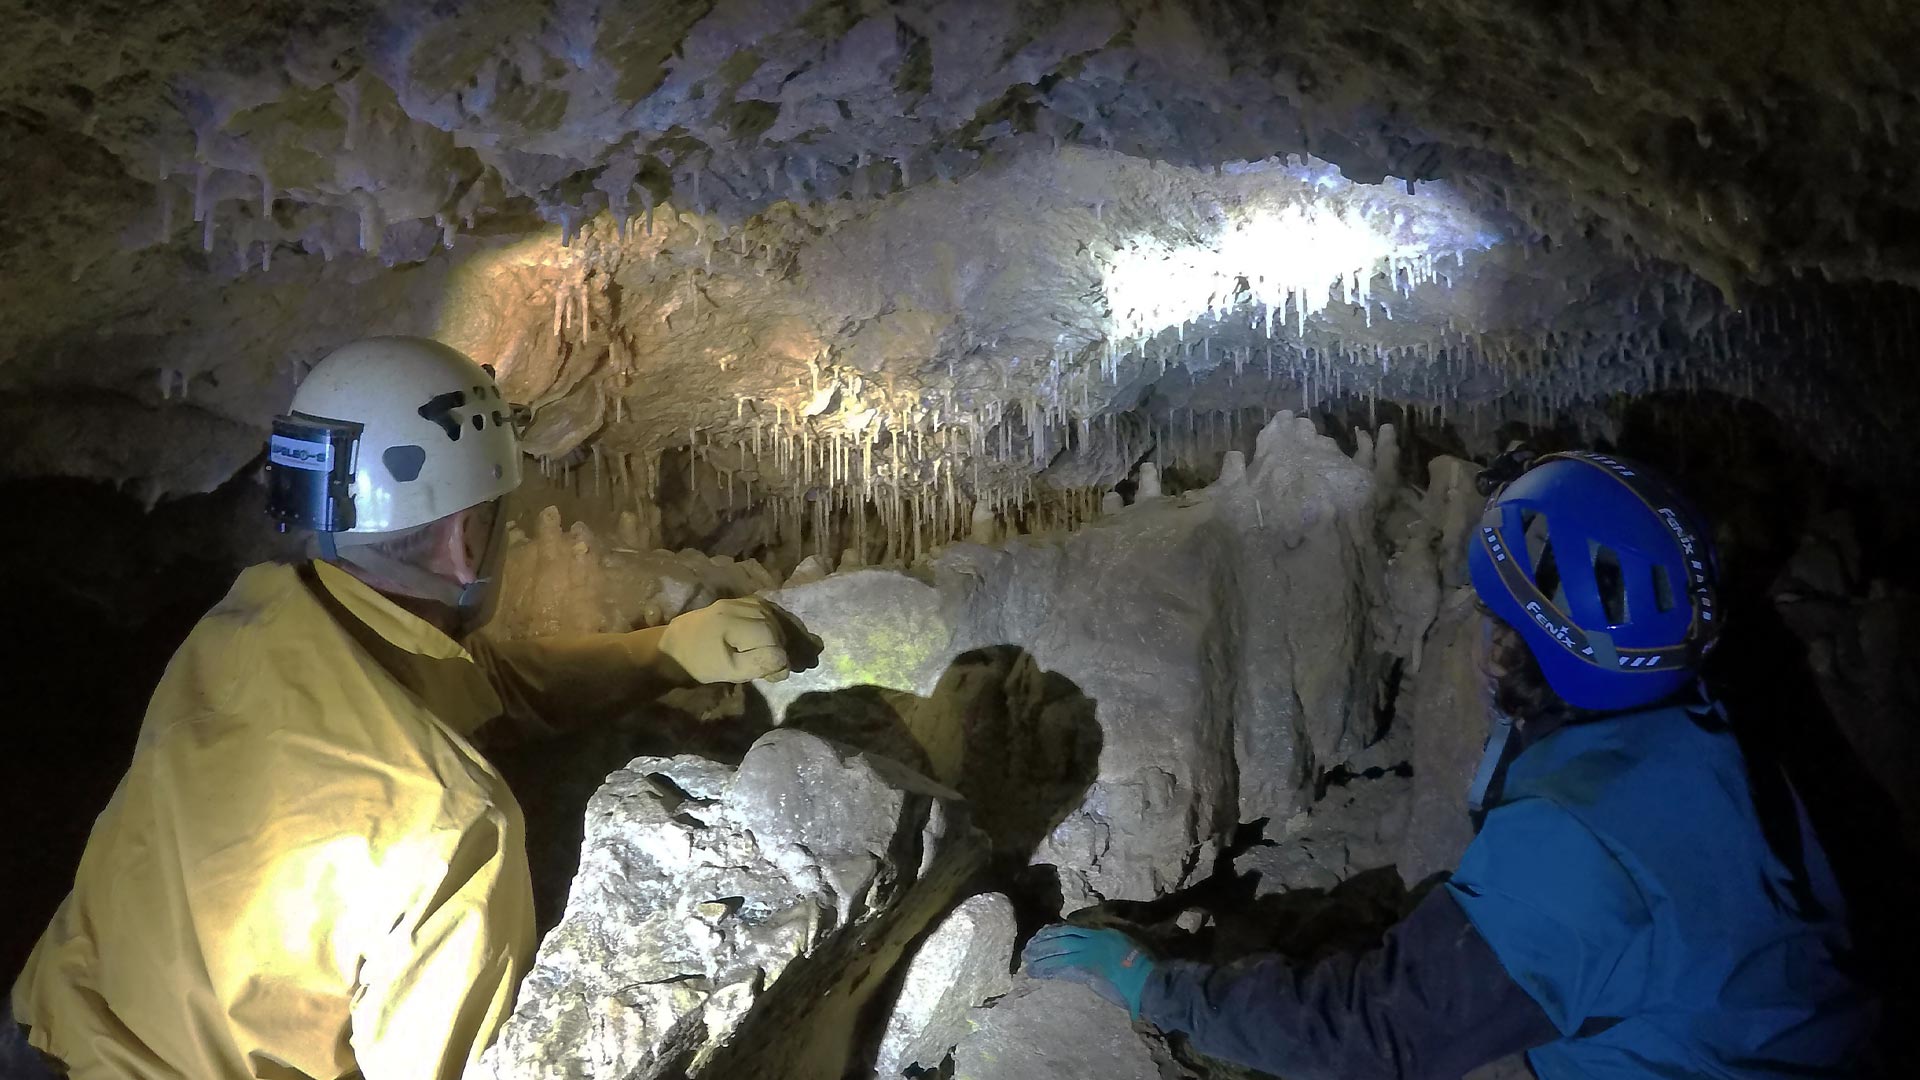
(734, 922)
(882, 628)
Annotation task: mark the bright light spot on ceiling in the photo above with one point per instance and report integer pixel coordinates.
(1294, 243)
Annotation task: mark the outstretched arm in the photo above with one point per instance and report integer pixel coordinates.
(1431, 1001)
(547, 684)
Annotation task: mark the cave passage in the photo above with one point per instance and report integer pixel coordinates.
(1102, 386)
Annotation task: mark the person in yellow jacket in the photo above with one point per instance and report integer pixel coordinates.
(308, 870)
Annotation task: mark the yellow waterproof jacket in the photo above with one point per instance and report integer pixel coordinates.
(308, 870)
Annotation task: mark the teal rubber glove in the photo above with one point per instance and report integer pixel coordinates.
(1107, 962)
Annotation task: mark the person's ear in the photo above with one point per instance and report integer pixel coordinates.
(465, 544)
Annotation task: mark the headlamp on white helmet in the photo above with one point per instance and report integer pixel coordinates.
(388, 434)
(385, 436)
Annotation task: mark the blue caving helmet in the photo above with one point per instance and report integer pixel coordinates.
(1607, 573)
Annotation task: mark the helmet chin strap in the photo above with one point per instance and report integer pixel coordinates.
(472, 600)
(412, 580)
(1500, 728)
(1490, 761)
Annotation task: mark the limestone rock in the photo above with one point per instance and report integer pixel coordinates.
(1233, 467)
(1149, 482)
(1355, 827)
(1819, 567)
(714, 903)
(572, 581)
(882, 628)
(1306, 573)
(1445, 706)
(1052, 1031)
(1225, 645)
(1451, 508)
(1412, 600)
(1179, 668)
(811, 569)
(967, 960)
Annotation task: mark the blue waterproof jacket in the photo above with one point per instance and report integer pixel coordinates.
(1621, 914)
(1624, 882)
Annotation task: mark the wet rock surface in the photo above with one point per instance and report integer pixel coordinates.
(716, 905)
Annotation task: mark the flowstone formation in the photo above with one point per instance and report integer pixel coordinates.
(1214, 653)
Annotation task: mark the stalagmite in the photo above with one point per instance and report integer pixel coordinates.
(984, 529)
(1149, 483)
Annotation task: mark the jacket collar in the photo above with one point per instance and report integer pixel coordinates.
(397, 626)
(421, 657)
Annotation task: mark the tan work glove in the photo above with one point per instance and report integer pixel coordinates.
(736, 641)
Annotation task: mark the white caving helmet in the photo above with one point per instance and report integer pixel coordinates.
(384, 436)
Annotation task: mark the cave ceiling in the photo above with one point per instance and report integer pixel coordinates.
(986, 234)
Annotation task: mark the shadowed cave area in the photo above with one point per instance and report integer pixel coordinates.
(1102, 383)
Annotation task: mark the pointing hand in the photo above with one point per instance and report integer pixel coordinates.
(736, 641)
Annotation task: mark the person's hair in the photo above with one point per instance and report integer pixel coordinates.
(1523, 691)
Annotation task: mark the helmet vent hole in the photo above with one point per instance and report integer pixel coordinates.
(479, 422)
(1546, 575)
(404, 462)
(440, 411)
(1533, 526)
(1662, 590)
(1611, 583)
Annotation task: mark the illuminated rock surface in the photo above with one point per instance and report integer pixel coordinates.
(714, 907)
(1205, 653)
(1354, 827)
(1052, 1031)
(965, 961)
(933, 220)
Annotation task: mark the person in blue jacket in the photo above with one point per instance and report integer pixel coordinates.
(1624, 910)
